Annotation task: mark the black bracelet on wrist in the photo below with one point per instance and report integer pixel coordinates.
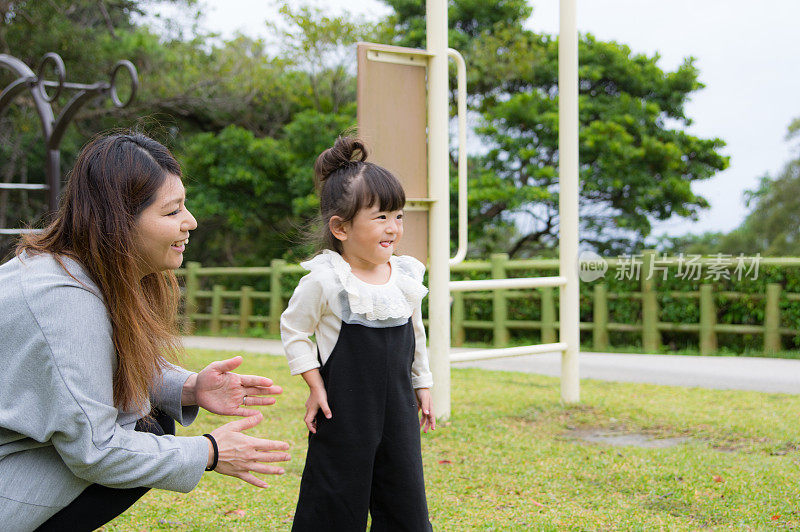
(216, 452)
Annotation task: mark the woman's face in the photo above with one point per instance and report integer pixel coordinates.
(162, 229)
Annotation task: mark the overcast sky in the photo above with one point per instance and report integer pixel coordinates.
(746, 52)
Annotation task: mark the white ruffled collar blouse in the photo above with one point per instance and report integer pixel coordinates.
(357, 301)
(330, 295)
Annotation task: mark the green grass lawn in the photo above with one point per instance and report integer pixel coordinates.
(509, 460)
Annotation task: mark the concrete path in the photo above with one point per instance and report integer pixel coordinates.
(736, 373)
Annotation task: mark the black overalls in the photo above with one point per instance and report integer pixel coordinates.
(367, 456)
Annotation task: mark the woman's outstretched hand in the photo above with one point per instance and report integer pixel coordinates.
(241, 455)
(220, 391)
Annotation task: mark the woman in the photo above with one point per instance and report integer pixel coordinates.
(88, 389)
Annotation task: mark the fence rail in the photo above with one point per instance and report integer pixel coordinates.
(211, 304)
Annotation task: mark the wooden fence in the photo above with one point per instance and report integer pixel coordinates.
(235, 307)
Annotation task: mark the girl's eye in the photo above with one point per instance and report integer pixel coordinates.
(382, 216)
(173, 213)
(400, 216)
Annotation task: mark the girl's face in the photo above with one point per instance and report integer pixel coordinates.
(371, 236)
(162, 229)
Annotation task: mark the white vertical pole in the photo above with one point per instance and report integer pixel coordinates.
(568, 198)
(439, 221)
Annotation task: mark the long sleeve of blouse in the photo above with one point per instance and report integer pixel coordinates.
(59, 428)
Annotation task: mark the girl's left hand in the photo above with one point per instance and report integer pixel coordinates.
(425, 404)
(220, 391)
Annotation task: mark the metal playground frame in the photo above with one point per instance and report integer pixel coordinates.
(440, 285)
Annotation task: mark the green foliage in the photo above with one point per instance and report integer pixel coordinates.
(771, 228)
(237, 189)
(253, 196)
(773, 225)
(246, 126)
(321, 46)
(633, 167)
(637, 163)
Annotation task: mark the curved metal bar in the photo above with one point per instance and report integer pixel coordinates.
(53, 129)
(124, 63)
(61, 71)
(40, 101)
(69, 111)
(10, 92)
(461, 70)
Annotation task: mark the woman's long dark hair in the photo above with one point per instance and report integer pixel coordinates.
(114, 178)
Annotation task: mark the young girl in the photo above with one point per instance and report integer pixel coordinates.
(368, 376)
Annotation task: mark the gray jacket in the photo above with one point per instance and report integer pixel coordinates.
(59, 429)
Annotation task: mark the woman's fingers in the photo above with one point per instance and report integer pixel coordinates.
(240, 455)
(254, 480)
(244, 412)
(261, 456)
(244, 424)
(266, 469)
(262, 390)
(256, 381)
(262, 444)
(252, 400)
(224, 366)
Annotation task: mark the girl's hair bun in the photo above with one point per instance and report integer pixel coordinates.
(345, 152)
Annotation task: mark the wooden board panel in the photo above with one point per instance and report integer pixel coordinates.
(392, 119)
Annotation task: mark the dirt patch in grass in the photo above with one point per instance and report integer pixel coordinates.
(621, 438)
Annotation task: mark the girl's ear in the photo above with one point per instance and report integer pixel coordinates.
(338, 228)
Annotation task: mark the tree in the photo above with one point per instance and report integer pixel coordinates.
(636, 161)
(771, 228)
(773, 225)
(238, 118)
(321, 46)
(253, 197)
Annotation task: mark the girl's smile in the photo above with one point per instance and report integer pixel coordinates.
(369, 240)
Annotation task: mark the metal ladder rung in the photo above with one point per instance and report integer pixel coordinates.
(19, 231)
(485, 354)
(23, 186)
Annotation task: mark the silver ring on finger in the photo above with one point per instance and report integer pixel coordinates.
(244, 400)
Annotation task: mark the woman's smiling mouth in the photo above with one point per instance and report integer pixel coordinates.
(180, 245)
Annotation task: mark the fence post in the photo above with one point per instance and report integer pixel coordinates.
(457, 323)
(772, 319)
(600, 312)
(275, 297)
(192, 284)
(499, 301)
(216, 308)
(708, 320)
(651, 338)
(548, 315)
(245, 309)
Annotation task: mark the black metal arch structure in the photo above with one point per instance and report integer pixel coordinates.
(54, 127)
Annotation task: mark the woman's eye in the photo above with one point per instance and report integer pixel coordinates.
(173, 213)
